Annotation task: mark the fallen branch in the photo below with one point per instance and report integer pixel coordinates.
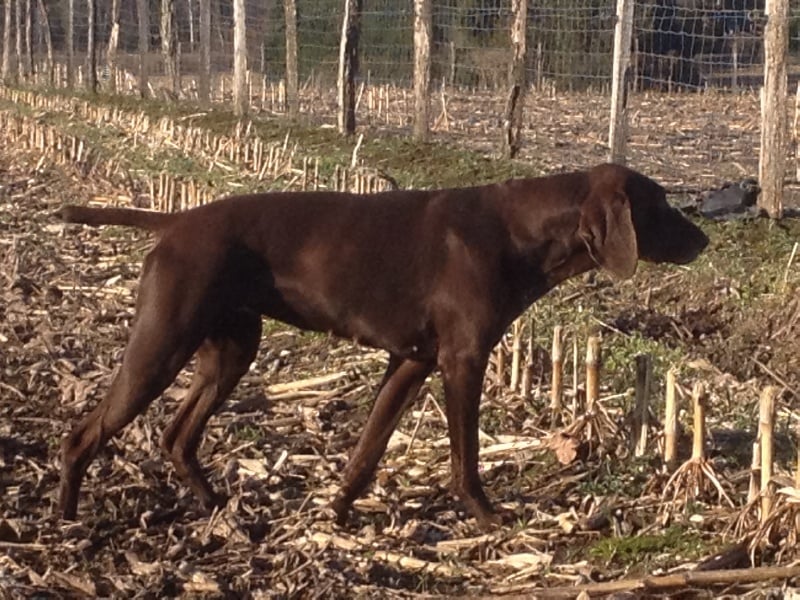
(674, 581)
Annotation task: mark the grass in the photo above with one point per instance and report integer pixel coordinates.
(643, 552)
(413, 164)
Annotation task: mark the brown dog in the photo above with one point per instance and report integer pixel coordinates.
(432, 277)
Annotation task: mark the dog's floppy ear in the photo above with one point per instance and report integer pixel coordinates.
(607, 229)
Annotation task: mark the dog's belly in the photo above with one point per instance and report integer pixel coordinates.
(401, 331)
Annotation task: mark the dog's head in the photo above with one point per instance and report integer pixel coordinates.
(626, 217)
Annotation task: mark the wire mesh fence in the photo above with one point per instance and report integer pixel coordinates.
(689, 44)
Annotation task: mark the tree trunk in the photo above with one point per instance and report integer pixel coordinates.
(512, 138)
(192, 37)
(113, 45)
(44, 20)
(204, 83)
(620, 76)
(28, 41)
(292, 100)
(143, 15)
(18, 29)
(6, 68)
(91, 46)
(348, 66)
(71, 44)
(240, 99)
(169, 49)
(423, 31)
(772, 160)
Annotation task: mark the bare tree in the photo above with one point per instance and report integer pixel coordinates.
(423, 32)
(6, 68)
(44, 21)
(70, 43)
(512, 135)
(113, 45)
(91, 46)
(240, 99)
(190, 10)
(143, 13)
(204, 84)
(348, 66)
(290, 14)
(27, 59)
(20, 74)
(169, 47)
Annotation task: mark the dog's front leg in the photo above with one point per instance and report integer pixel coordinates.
(397, 391)
(462, 373)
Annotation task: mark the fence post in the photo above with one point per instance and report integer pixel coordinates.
(623, 32)
(292, 100)
(91, 47)
(240, 99)
(423, 31)
(348, 66)
(204, 81)
(512, 136)
(143, 15)
(772, 159)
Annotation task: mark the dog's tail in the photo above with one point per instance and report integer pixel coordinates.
(128, 217)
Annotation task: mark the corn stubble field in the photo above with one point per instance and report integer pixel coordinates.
(731, 321)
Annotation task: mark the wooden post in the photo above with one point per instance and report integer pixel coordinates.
(557, 385)
(204, 80)
(348, 66)
(240, 99)
(143, 16)
(642, 405)
(517, 80)
(623, 32)
(91, 47)
(169, 46)
(766, 418)
(423, 32)
(292, 100)
(772, 161)
(670, 422)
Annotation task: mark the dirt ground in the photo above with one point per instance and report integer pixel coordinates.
(277, 448)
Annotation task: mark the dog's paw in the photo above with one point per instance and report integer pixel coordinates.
(341, 510)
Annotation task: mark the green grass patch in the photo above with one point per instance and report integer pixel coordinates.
(642, 552)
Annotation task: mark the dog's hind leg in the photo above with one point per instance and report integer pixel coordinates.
(222, 359)
(398, 390)
(167, 330)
